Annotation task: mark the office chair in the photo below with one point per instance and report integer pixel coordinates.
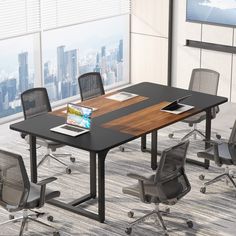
(205, 81)
(18, 193)
(90, 85)
(35, 102)
(168, 185)
(223, 153)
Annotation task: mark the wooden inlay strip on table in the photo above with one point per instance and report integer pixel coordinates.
(103, 105)
(146, 120)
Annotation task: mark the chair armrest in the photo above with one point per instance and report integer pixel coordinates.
(213, 142)
(141, 184)
(138, 177)
(46, 181)
(43, 183)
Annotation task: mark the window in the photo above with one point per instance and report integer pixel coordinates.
(95, 46)
(16, 72)
(51, 42)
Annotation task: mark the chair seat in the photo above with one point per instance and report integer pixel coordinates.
(46, 143)
(195, 119)
(49, 143)
(34, 196)
(152, 195)
(225, 153)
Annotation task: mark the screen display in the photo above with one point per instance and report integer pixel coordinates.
(79, 115)
(221, 12)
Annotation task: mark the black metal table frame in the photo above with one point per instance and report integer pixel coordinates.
(74, 205)
(153, 150)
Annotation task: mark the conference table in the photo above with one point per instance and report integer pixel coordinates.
(113, 124)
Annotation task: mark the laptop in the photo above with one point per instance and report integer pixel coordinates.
(78, 121)
(177, 108)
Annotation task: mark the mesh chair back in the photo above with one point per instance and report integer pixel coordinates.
(232, 138)
(170, 176)
(204, 80)
(35, 102)
(90, 85)
(14, 182)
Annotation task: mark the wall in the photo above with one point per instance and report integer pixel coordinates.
(149, 41)
(186, 58)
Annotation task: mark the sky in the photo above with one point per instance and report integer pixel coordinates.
(220, 4)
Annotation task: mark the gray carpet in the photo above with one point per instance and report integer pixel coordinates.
(213, 213)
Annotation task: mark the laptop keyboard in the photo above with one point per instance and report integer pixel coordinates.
(72, 128)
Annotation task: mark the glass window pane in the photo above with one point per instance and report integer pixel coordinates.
(100, 46)
(16, 72)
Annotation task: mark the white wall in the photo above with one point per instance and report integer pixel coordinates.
(187, 58)
(149, 41)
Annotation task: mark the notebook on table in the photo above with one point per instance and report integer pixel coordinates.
(122, 96)
(78, 121)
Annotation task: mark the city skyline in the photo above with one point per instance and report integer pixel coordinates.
(61, 81)
(66, 53)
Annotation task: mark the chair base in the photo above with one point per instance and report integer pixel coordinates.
(192, 132)
(225, 176)
(157, 216)
(55, 157)
(26, 217)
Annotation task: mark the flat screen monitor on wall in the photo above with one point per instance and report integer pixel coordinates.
(219, 12)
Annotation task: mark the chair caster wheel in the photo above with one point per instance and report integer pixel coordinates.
(167, 210)
(203, 189)
(50, 218)
(201, 177)
(128, 230)
(218, 136)
(72, 159)
(189, 224)
(56, 233)
(130, 214)
(68, 171)
(122, 149)
(171, 135)
(11, 217)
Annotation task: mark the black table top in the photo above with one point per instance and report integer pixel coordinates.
(100, 138)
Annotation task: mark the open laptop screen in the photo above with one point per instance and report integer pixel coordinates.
(79, 115)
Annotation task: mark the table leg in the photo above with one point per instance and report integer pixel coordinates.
(206, 163)
(101, 185)
(33, 159)
(74, 206)
(144, 143)
(93, 190)
(208, 134)
(153, 150)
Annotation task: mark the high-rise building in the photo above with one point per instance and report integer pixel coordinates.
(103, 51)
(120, 51)
(71, 65)
(97, 67)
(11, 89)
(60, 63)
(46, 70)
(23, 71)
(119, 75)
(1, 100)
(60, 69)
